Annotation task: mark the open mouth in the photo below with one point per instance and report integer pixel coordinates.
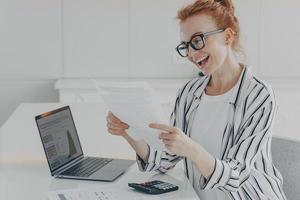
(203, 61)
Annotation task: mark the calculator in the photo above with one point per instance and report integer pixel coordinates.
(154, 187)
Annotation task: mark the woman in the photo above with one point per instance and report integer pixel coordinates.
(221, 123)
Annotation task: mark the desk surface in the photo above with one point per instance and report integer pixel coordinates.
(32, 181)
(24, 173)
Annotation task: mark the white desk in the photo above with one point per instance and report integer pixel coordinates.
(32, 180)
(24, 173)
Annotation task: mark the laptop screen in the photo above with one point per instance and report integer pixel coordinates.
(59, 137)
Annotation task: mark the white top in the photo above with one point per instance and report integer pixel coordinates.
(207, 130)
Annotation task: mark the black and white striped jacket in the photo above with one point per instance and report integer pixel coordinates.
(245, 169)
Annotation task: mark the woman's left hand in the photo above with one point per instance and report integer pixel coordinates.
(174, 139)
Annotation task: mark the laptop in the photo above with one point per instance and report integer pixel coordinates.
(64, 153)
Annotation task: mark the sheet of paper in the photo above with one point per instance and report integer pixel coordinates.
(96, 194)
(135, 104)
(82, 195)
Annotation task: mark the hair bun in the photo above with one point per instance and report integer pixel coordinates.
(227, 4)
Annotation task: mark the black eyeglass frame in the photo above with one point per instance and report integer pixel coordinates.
(202, 36)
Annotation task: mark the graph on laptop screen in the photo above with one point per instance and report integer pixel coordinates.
(59, 137)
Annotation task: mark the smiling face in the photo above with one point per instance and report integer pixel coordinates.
(215, 52)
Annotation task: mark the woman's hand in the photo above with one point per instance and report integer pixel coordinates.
(115, 126)
(180, 144)
(175, 140)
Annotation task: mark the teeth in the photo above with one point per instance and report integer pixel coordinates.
(201, 61)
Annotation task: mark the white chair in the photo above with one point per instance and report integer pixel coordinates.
(286, 157)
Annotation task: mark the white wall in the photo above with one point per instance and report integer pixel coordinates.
(30, 52)
(121, 38)
(91, 29)
(43, 40)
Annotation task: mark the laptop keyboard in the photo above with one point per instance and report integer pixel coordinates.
(87, 167)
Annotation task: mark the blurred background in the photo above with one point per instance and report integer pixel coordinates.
(50, 48)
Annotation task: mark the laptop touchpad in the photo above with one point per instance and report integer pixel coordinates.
(110, 171)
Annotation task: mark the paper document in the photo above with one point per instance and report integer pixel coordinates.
(135, 104)
(96, 194)
(82, 195)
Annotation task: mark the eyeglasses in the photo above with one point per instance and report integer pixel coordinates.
(197, 42)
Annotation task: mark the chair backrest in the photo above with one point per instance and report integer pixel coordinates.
(286, 158)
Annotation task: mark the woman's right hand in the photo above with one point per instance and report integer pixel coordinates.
(115, 126)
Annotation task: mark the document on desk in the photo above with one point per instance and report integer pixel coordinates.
(81, 195)
(87, 194)
(135, 104)
(95, 194)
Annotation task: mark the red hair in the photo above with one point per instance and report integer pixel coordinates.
(222, 11)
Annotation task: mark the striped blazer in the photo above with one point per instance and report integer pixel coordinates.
(244, 169)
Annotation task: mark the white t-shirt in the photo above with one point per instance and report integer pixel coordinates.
(207, 129)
